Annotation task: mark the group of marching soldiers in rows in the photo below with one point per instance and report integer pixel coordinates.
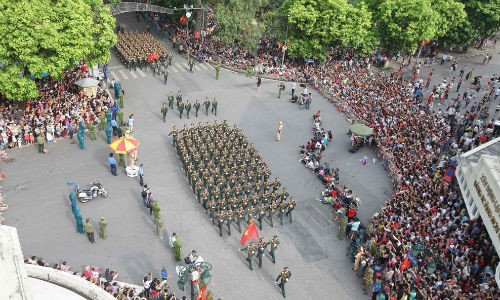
(142, 50)
(186, 106)
(230, 179)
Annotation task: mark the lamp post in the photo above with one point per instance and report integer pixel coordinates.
(188, 15)
(286, 42)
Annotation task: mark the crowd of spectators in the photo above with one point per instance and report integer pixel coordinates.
(416, 144)
(154, 288)
(54, 114)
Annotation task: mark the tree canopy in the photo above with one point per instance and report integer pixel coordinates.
(42, 36)
(316, 25)
(236, 21)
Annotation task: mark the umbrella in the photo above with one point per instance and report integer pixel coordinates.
(361, 129)
(87, 82)
(124, 145)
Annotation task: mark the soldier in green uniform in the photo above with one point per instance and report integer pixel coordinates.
(217, 71)
(181, 109)
(261, 249)
(281, 88)
(91, 131)
(214, 106)
(291, 207)
(239, 216)
(165, 76)
(220, 220)
(229, 219)
(170, 59)
(212, 208)
(196, 107)
(261, 215)
(367, 279)
(164, 110)
(102, 121)
(102, 228)
(283, 278)
(271, 210)
(178, 98)
(170, 99)
(174, 133)
(89, 230)
(273, 243)
(251, 250)
(207, 105)
(191, 64)
(188, 107)
(342, 228)
(282, 210)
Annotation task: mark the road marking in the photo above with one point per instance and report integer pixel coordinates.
(113, 75)
(173, 69)
(179, 66)
(123, 74)
(203, 66)
(141, 73)
(132, 73)
(196, 67)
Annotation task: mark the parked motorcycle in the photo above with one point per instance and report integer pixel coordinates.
(96, 189)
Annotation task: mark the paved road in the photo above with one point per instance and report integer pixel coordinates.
(37, 191)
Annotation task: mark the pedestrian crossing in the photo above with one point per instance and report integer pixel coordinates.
(122, 74)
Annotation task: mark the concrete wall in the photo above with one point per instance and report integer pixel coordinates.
(68, 281)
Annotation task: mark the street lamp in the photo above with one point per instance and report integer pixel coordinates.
(286, 42)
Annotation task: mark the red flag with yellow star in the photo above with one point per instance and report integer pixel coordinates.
(250, 233)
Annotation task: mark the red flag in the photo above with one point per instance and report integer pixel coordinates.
(250, 233)
(202, 294)
(405, 264)
(183, 19)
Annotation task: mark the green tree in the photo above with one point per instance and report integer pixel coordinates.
(316, 25)
(42, 36)
(451, 14)
(484, 16)
(403, 24)
(236, 21)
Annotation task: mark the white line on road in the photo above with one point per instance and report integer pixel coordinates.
(123, 74)
(113, 75)
(197, 67)
(141, 73)
(178, 66)
(173, 69)
(133, 74)
(203, 66)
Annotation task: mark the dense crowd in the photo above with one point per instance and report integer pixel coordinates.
(427, 208)
(154, 288)
(54, 114)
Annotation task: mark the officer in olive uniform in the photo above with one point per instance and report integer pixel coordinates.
(273, 243)
(89, 230)
(188, 108)
(164, 111)
(171, 100)
(281, 88)
(191, 64)
(214, 106)
(220, 220)
(261, 249)
(102, 228)
(251, 251)
(207, 105)
(91, 128)
(181, 109)
(165, 76)
(283, 278)
(196, 107)
(217, 71)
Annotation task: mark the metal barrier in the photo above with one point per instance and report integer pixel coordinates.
(125, 7)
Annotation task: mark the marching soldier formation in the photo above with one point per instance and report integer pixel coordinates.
(228, 176)
(140, 50)
(184, 105)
